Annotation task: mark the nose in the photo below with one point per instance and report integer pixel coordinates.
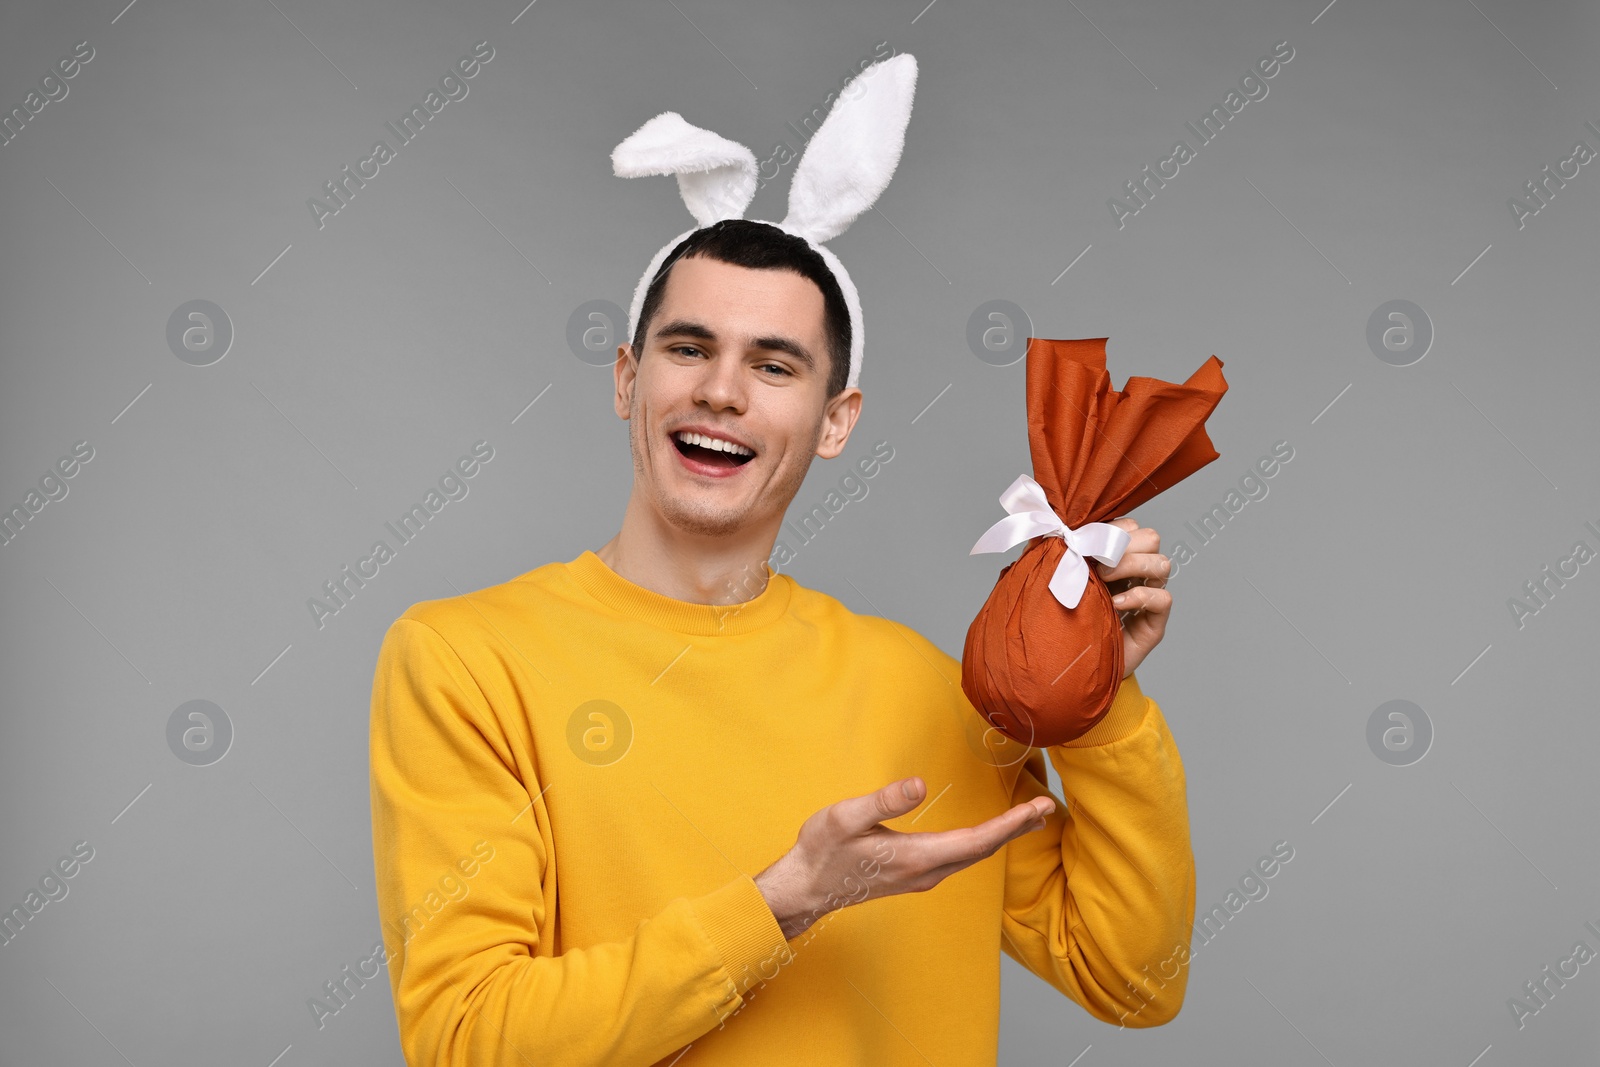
(721, 383)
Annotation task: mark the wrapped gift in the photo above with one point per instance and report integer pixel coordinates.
(1043, 659)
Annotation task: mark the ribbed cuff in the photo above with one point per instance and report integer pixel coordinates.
(1127, 712)
(739, 921)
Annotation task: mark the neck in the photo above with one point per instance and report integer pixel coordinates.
(693, 567)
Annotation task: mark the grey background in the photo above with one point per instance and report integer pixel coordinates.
(432, 310)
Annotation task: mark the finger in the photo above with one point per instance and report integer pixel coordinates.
(1156, 601)
(940, 848)
(1141, 538)
(1120, 584)
(1142, 558)
(1011, 823)
(1031, 823)
(859, 814)
(1126, 523)
(1153, 564)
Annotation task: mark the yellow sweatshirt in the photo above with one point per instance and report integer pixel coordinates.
(575, 780)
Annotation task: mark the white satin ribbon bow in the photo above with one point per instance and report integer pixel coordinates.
(1030, 516)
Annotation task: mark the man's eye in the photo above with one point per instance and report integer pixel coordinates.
(693, 351)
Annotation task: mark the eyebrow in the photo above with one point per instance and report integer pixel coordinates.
(690, 328)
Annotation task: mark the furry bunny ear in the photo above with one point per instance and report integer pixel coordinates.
(850, 159)
(716, 176)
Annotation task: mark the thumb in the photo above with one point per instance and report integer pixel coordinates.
(897, 798)
(893, 800)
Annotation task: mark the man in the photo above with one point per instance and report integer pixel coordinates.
(727, 819)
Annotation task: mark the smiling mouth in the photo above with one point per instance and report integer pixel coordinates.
(711, 457)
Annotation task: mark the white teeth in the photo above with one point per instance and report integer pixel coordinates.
(711, 442)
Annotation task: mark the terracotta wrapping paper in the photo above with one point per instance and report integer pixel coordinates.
(1039, 672)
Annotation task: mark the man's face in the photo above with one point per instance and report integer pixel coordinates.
(741, 355)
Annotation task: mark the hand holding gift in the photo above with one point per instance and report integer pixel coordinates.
(1044, 657)
(1138, 591)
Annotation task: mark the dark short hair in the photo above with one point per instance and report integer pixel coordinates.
(762, 246)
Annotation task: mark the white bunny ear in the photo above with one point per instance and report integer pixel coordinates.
(716, 176)
(850, 159)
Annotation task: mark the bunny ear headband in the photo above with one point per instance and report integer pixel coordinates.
(847, 164)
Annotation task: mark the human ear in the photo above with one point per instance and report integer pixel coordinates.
(839, 418)
(625, 372)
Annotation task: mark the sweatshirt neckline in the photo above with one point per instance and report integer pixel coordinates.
(683, 616)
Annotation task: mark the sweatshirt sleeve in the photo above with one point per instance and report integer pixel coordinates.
(1100, 902)
(462, 874)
